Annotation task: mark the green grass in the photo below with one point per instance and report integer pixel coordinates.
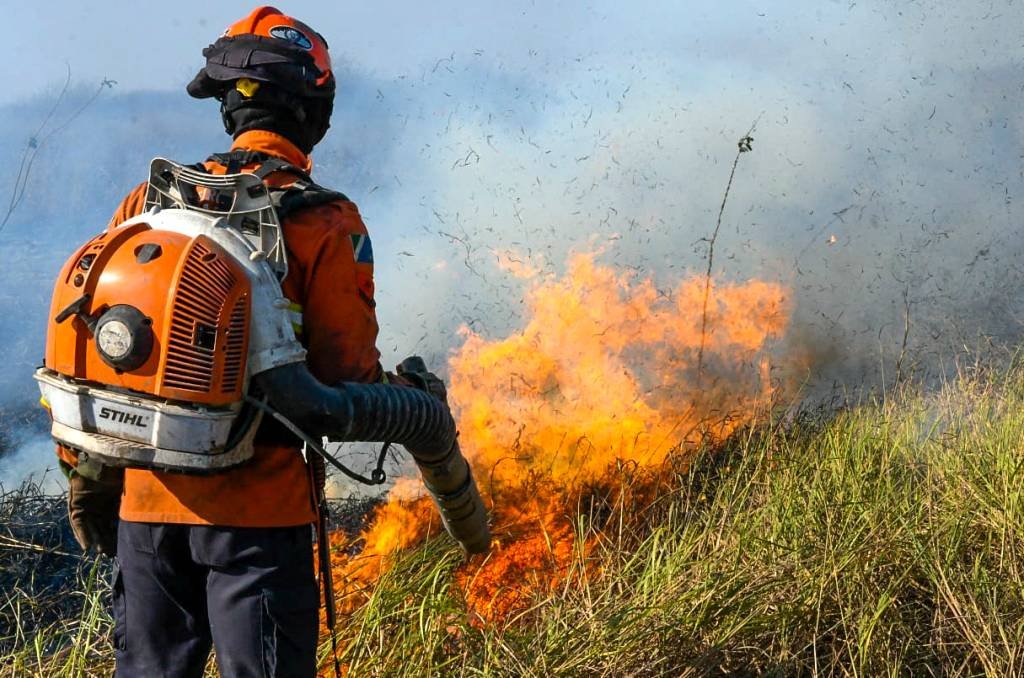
(885, 539)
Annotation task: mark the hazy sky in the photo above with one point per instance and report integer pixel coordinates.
(494, 114)
(146, 45)
(153, 46)
(887, 163)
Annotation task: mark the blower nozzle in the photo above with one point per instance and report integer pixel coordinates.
(412, 418)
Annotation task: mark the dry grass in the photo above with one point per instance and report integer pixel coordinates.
(885, 539)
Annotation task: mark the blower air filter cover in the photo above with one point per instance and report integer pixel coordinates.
(124, 337)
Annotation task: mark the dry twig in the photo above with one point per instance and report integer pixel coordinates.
(744, 145)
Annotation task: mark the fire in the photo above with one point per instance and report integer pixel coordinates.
(604, 373)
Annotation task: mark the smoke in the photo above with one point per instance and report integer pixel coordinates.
(25, 449)
(882, 188)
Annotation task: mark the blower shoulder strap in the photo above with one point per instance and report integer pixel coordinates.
(302, 194)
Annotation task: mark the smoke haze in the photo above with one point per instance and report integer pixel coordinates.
(884, 181)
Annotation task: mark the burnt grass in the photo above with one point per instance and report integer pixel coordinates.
(42, 569)
(43, 572)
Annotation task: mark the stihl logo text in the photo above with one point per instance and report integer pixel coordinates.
(123, 417)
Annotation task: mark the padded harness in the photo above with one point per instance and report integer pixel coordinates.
(302, 194)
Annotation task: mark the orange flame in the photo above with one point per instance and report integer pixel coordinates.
(604, 372)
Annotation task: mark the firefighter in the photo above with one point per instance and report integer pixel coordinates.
(227, 559)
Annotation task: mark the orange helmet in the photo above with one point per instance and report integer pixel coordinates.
(271, 47)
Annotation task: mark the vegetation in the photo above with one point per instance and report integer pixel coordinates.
(54, 617)
(882, 539)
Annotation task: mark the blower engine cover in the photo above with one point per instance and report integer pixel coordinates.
(151, 340)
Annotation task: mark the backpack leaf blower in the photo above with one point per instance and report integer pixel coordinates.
(170, 339)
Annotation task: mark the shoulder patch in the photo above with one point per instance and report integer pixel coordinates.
(361, 248)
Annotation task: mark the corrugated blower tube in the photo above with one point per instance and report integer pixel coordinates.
(418, 421)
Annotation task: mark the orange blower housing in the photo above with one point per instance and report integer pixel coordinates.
(192, 300)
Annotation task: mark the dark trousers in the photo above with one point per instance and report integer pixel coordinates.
(250, 592)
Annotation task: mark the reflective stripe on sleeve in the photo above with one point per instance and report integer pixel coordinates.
(295, 315)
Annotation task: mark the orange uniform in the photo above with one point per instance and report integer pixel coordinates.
(330, 285)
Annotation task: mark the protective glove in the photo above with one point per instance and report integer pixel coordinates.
(414, 370)
(93, 505)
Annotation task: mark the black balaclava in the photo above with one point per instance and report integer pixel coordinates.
(303, 121)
